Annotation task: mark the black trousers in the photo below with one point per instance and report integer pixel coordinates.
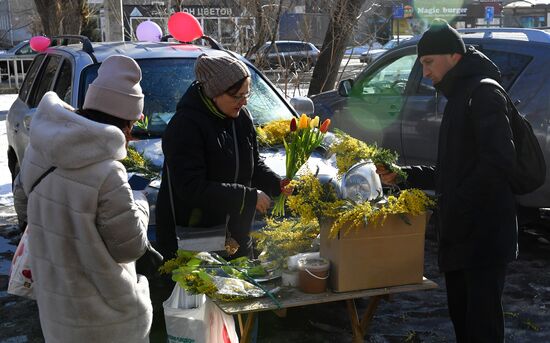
(474, 300)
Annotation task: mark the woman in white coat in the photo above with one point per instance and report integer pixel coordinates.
(86, 226)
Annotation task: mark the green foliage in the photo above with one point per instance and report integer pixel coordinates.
(282, 238)
(350, 151)
(210, 274)
(315, 201)
(142, 123)
(136, 163)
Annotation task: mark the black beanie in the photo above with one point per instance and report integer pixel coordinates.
(440, 39)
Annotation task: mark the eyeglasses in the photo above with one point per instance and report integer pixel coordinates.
(239, 98)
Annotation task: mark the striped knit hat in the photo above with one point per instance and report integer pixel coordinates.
(218, 74)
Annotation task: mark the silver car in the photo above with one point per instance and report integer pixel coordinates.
(391, 103)
(168, 70)
(370, 55)
(293, 55)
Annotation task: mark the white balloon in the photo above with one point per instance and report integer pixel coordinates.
(149, 31)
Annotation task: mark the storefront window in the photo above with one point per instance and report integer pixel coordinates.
(210, 27)
(228, 30)
(532, 21)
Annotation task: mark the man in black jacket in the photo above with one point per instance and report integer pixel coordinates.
(477, 216)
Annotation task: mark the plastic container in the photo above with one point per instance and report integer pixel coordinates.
(292, 261)
(313, 274)
(290, 278)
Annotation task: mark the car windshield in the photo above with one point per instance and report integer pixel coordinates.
(14, 49)
(164, 81)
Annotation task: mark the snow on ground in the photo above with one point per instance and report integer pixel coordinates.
(6, 197)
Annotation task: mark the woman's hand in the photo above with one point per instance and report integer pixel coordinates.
(263, 202)
(387, 177)
(286, 188)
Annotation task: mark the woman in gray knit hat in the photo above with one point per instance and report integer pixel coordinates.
(210, 148)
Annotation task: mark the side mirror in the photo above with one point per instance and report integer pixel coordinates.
(303, 104)
(344, 87)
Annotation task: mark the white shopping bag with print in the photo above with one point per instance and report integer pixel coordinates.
(20, 282)
(195, 318)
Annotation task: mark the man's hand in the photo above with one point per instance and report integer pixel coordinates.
(263, 202)
(387, 177)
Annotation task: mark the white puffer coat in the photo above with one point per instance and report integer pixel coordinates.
(87, 228)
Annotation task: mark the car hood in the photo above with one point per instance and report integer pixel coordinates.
(274, 158)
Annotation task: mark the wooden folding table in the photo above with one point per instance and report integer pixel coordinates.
(292, 297)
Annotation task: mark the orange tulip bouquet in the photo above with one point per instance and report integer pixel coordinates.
(305, 137)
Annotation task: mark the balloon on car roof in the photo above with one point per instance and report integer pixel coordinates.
(184, 27)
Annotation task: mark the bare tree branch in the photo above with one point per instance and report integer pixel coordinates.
(342, 21)
(61, 16)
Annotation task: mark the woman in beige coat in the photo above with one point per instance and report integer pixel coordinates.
(86, 226)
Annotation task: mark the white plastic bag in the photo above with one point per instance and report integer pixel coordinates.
(204, 324)
(20, 282)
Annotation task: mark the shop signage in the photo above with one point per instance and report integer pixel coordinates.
(398, 12)
(148, 11)
(489, 13)
(136, 13)
(408, 11)
(442, 11)
(203, 11)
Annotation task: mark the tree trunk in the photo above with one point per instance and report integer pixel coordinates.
(261, 29)
(342, 22)
(60, 16)
(72, 16)
(49, 12)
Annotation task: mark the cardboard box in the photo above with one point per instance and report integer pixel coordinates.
(376, 256)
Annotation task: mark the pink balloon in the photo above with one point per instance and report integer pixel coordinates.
(39, 43)
(149, 31)
(184, 27)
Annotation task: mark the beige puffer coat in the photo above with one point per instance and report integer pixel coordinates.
(87, 228)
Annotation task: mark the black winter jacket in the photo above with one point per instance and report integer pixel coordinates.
(477, 213)
(213, 175)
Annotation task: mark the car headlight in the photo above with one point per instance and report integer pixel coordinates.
(361, 183)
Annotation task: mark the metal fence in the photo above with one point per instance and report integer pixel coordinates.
(13, 70)
(296, 83)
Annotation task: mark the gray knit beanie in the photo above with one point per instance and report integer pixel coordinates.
(218, 74)
(116, 89)
(440, 39)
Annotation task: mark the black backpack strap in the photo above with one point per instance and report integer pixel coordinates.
(42, 178)
(477, 82)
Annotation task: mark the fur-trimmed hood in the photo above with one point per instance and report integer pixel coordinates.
(70, 141)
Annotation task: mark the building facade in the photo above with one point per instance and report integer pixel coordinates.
(233, 23)
(413, 17)
(16, 21)
(531, 14)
